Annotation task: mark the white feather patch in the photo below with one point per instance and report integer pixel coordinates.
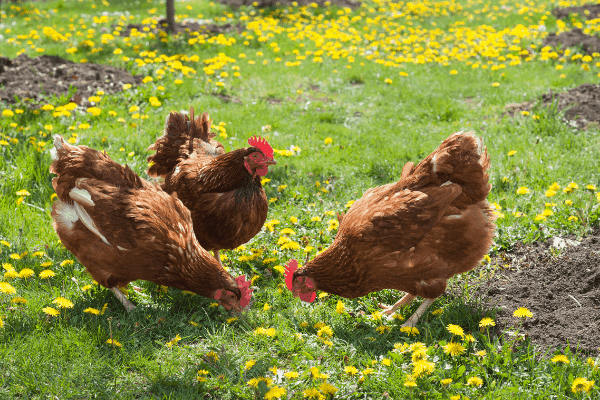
(88, 222)
(446, 183)
(121, 248)
(177, 169)
(54, 154)
(81, 196)
(434, 162)
(454, 217)
(66, 215)
(58, 142)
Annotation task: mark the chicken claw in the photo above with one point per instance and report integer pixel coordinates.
(389, 310)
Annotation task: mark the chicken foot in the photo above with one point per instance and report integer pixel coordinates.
(412, 321)
(389, 310)
(128, 304)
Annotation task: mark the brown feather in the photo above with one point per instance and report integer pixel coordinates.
(414, 234)
(149, 234)
(228, 204)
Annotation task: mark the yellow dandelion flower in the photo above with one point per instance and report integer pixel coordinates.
(61, 302)
(113, 342)
(455, 330)
(7, 288)
(523, 190)
(275, 393)
(19, 300)
(312, 393)
(454, 349)
(325, 331)
(291, 375)
(47, 273)
(522, 312)
(423, 367)
(11, 274)
(561, 358)
(475, 381)
(173, 341)
(485, 322)
(581, 385)
(328, 389)
(410, 330)
(26, 273)
(350, 370)
(446, 381)
(51, 311)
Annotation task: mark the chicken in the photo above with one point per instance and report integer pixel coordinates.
(411, 235)
(122, 228)
(222, 190)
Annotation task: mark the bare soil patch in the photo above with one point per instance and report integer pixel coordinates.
(561, 289)
(186, 27)
(286, 3)
(581, 104)
(38, 79)
(573, 38)
(589, 11)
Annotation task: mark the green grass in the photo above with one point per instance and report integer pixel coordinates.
(375, 128)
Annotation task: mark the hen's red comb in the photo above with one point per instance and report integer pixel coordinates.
(218, 294)
(261, 144)
(290, 268)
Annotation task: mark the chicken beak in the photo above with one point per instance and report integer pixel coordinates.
(270, 161)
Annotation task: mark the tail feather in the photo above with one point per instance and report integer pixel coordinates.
(462, 158)
(72, 163)
(182, 136)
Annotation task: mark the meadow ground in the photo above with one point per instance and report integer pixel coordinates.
(346, 96)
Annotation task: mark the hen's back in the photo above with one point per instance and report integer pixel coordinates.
(74, 162)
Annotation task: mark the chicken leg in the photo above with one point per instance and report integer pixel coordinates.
(128, 304)
(217, 256)
(389, 310)
(412, 321)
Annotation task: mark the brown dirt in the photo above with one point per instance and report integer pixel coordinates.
(592, 9)
(573, 38)
(186, 26)
(562, 290)
(39, 79)
(286, 3)
(581, 104)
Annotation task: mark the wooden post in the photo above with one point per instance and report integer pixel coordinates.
(171, 16)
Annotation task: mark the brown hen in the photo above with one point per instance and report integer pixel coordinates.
(222, 190)
(411, 235)
(122, 228)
